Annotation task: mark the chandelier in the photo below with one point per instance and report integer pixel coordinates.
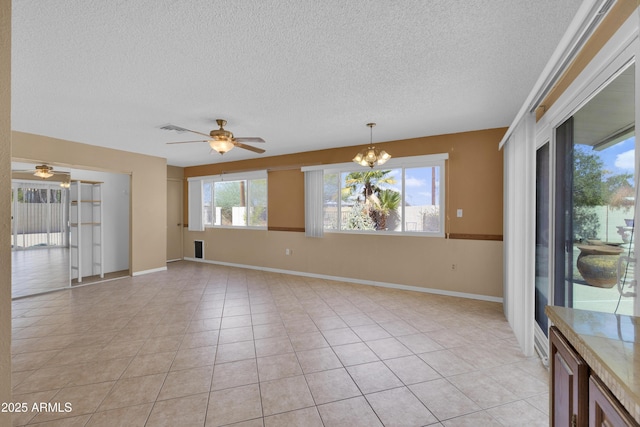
(371, 156)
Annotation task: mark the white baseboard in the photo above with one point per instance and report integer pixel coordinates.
(153, 270)
(351, 280)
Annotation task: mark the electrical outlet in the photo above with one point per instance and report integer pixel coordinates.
(459, 213)
(454, 267)
(288, 251)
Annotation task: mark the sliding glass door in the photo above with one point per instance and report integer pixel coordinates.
(595, 202)
(542, 236)
(586, 204)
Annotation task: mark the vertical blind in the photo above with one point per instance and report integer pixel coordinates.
(196, 222)
(39, 215)
(313, 210)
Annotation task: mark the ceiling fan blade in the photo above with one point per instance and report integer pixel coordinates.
(187, 142)
(181, 129)
(248, 147)
(55, 172)
(250, 139)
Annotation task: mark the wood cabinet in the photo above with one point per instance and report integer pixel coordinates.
(578, 397)
(604, 409)
(569, 383)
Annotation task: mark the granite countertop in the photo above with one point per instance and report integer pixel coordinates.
(610, 344)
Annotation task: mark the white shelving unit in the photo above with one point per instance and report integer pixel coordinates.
(86, 237)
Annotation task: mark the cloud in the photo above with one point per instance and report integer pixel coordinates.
(626, 160)
(414, 182)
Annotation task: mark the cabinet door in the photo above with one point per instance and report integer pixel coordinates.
(569, 383)
(604, 409)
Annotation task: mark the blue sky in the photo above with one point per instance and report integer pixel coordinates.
(619, 158)
(417, 184)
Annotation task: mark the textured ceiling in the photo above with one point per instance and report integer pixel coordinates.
(301, 74)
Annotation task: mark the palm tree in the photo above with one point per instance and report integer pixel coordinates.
(389, 201)
(368, 183)
(376, 188)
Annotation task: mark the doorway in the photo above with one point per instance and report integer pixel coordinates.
(39, 236)
(43, 263)
(174, 220)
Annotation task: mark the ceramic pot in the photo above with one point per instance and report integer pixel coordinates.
(598, 264)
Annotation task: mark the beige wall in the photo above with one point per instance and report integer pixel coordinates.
(474, 184)
(175, 172)
(148, 187)
(286, 200)
(5, 207)
(474, 179)
(423, 262)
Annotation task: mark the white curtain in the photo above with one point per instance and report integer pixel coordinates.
(39, 215)
(313, 203)
(519, 231)
(195, 205)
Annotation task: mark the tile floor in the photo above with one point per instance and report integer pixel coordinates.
(206, 345)
(40, 270)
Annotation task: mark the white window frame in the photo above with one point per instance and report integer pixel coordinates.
(196, 198)
(432, 160)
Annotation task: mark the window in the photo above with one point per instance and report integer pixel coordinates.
(406, 196)
(229, 200)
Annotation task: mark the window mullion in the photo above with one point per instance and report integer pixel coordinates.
(339, 201)
(246, 203)
(442, 195)
(212, 194)
(402, 207)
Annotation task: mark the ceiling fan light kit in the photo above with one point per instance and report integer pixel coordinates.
(221, 140)
(43, 171)
(221, 145)
(371, 156)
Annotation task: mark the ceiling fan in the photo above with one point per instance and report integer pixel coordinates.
(220, 140)
(44, 172)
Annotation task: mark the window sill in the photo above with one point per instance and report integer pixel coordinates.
(233, 227)
(385, 233)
